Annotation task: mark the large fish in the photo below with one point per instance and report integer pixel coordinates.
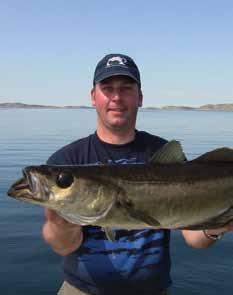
(168, 192)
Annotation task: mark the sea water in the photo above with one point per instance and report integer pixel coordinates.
(28, 137)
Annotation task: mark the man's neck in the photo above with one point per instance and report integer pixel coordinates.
(116, 136)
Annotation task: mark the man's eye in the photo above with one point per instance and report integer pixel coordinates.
(107, 88)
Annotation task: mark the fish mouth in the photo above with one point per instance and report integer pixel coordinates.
(27, 188)
(20, 189)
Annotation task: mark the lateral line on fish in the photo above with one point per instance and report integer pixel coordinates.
(162, 182)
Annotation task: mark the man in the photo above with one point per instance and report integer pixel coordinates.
(138, 262)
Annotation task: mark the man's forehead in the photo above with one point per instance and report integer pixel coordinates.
(118, 78)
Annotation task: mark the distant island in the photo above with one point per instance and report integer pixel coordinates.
(207, 107)
(19, 105)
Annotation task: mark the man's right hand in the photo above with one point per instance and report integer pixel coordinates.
(64, 237)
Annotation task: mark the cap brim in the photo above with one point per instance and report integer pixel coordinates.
(118, 73)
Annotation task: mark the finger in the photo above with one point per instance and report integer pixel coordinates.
(50, 214)
(227, 227)
(230, 226)
(54, 217)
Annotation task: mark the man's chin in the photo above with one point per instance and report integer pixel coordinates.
(117, 126)
(118, 122)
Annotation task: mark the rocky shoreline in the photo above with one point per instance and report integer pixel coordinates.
(19, 105)
(208, 107)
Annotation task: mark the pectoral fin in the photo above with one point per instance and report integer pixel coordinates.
(140, 215)
(110, 234)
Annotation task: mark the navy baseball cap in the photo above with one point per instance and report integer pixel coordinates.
(114, 65)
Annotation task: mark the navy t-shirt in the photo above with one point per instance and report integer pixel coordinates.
(138, 261)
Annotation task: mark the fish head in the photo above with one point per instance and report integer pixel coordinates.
(66, 190)
(36, 186)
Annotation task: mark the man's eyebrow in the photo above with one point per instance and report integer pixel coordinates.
(129, 81)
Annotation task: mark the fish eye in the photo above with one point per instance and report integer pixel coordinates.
(64, 180)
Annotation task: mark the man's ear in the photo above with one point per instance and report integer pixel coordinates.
(140, 98)
(93, 96)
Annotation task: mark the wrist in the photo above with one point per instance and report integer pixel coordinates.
(213, 236)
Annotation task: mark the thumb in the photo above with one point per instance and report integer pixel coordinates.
(54, 217)
(230, 226)
(50, 214)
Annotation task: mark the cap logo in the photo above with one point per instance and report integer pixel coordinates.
(116, 61)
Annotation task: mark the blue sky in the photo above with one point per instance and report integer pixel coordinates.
(49, 49)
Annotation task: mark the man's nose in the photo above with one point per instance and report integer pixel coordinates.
(116, 95)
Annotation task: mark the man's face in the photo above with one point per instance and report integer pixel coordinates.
(116, 100)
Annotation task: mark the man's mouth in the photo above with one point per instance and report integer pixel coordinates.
(116, 110)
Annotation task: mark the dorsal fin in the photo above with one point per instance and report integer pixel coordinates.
(218, 155)
(170, 153)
